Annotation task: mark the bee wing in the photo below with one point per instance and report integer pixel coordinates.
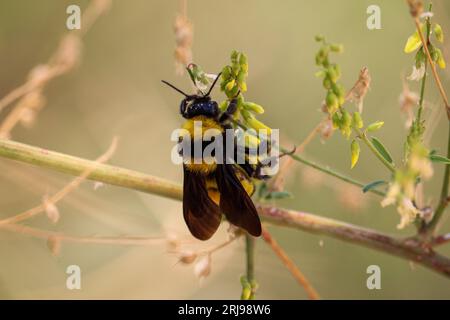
(235, 203)
(201, 214)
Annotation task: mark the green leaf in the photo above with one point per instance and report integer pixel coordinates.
(438, 158)
(373, 185)
(278, 195)
(262, 190)
(382, 149)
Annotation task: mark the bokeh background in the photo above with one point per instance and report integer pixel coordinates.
(116, 90)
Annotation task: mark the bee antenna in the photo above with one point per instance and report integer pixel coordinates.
(213, 84)
(175, 88)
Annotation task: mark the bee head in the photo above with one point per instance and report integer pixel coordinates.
(199, 106)
(196, 105)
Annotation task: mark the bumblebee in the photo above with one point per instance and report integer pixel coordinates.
(212, 188)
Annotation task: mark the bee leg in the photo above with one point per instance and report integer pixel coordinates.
(228, 113)
(288, 153)
(256, 172)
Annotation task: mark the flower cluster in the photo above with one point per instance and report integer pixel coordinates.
(414, 43)
(347, 122)
(233, 84)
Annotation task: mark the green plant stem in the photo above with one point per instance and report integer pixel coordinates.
(408, 249)
(333, 173)
(424, 79)
(101, 172)
(321, 168)
(422, 94)
(444, 198)
(250, 263)
(363, 137)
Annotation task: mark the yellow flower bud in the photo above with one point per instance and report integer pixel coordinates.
(256, 108)
(243, 59)
(230, 85)
(413, 43)
(440, 58)
(355, 149)
(375, 126)
(357, 120)
(226, 73)
(257, 125)
(337, 48)
(331, 101)
(438, 33)
(241, 77)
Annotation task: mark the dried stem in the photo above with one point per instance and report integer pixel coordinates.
(122, 240)
(64, 59)
(408, 249)
(290, 265)
(222, 245)
(433, 67)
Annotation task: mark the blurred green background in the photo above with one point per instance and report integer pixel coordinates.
(117, 91)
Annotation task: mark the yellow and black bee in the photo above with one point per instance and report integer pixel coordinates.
(210, 189)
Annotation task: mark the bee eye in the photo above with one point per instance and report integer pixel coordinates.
(183, 107)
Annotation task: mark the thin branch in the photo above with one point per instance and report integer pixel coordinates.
(121, 240)
(277, 183)
(220, 246)
(333, 173)
(407, 249)
(444, 198)
(64, 191)
(64, 59)
(324, 169)
(290, 265)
